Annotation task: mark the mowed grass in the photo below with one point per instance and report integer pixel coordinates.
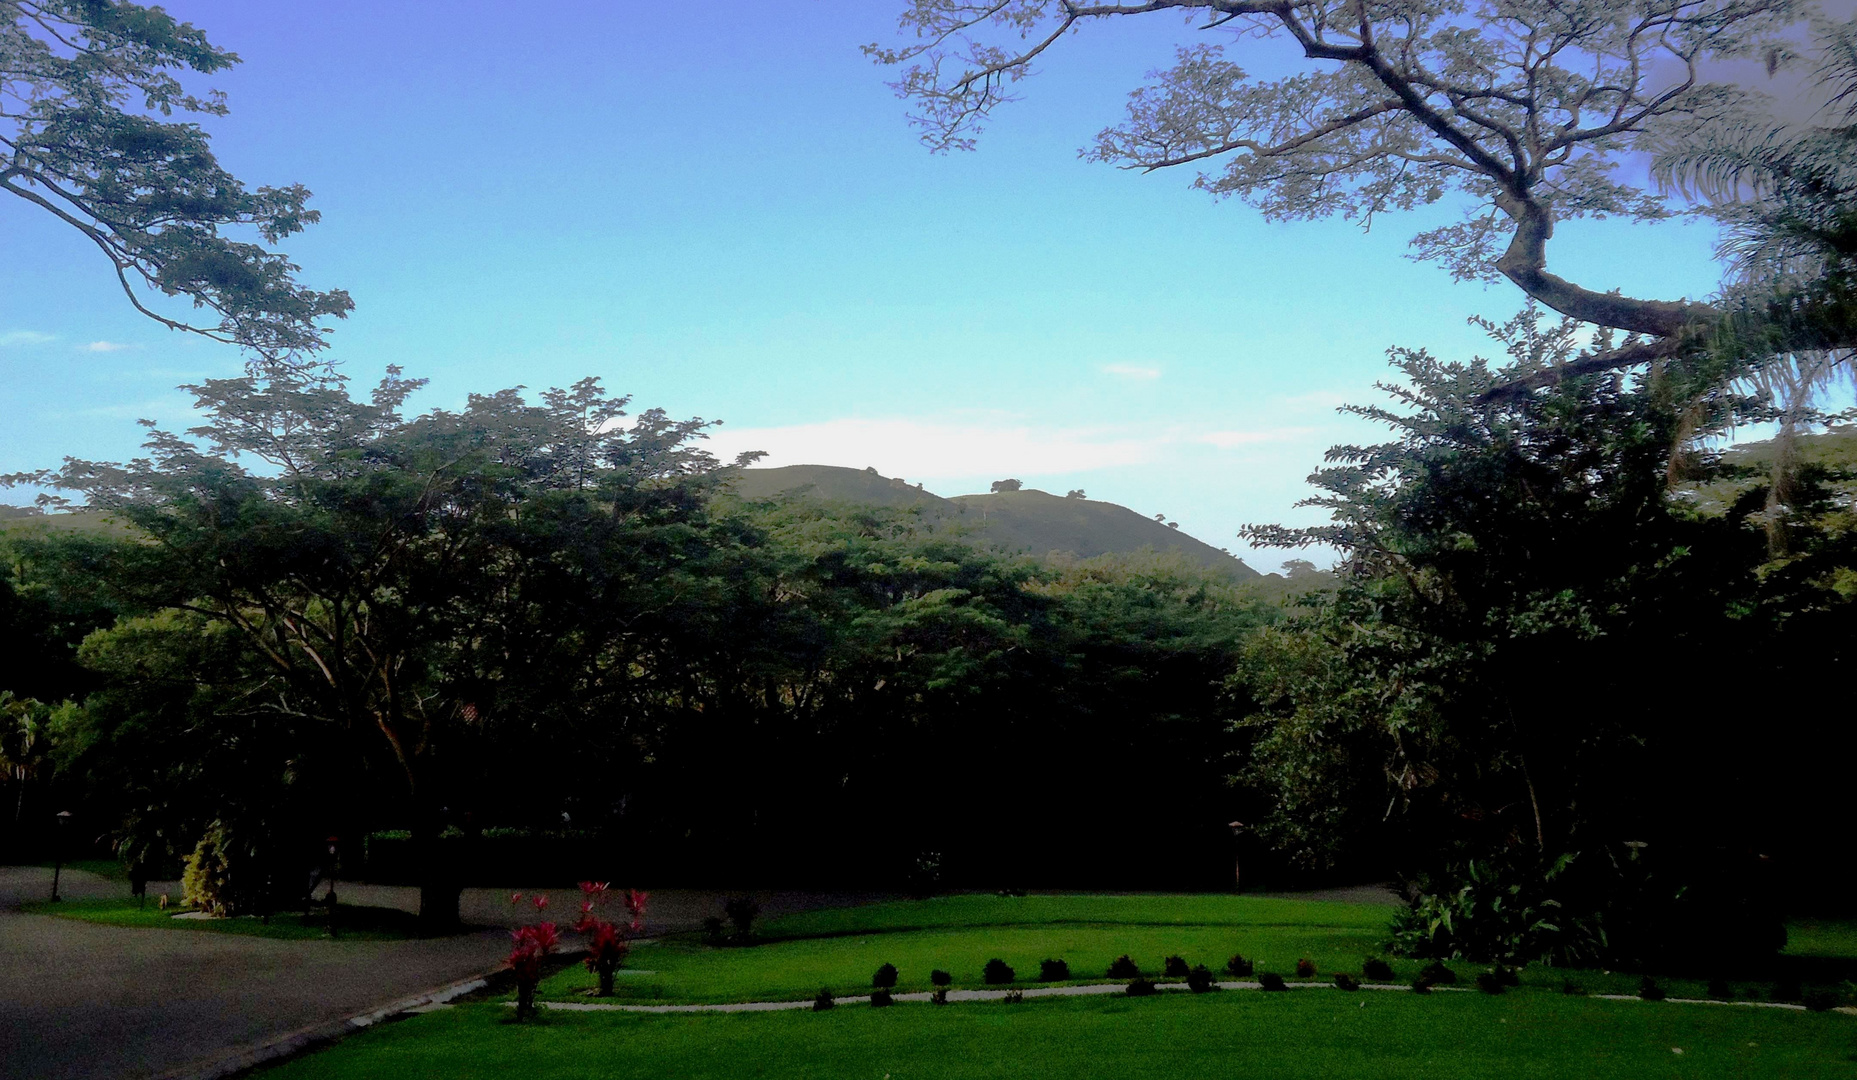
(840, 949)
(355, 923)
(1824, 938)
(1524, 1035)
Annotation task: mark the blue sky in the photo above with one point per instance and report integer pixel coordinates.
(719, 209)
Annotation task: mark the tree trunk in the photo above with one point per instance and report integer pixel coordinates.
(439, 881)
(438, 905)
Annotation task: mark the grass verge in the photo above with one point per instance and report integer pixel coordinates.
(1526, 1035)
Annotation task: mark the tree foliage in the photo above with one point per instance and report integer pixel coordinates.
(337, 617)
(87, 88)
(416, 585)
(1521, 111)
(1539, 657)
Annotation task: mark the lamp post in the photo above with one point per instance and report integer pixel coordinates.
(1237, 828)
(64, 819)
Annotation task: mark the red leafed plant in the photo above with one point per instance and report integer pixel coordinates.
(606, 949)
(525, 961)
(606, 941)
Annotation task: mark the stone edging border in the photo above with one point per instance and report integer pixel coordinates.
(1091, 989)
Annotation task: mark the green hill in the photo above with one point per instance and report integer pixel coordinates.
(1027, 520)
(1835, 449)
(29, 520)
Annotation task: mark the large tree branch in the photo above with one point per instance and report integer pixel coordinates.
(1610, 360)
(1525, 264)
(1266, 150)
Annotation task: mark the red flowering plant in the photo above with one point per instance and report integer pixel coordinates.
(606, 941)
(525, 960)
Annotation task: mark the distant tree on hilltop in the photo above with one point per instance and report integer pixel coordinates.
(1006, 485)
(1074, 493)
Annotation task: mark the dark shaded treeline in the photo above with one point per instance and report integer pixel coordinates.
(527, 616)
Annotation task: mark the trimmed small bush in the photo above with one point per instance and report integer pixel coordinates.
(1439, 975)
(1572, 989)
(1489, 983)
(885, 978)
(205, 881)
(881, 998)
(1124, 968)
(1053, 971)
(1377, 970)
(824, 1000)
(997, 971)
(1819, 999)
(1507, 975)
(1238, 966)
(1305, 968)
(1421, 985)
(1140, 987)
(1199, 980)
(1344, 981)
(1175, 967)
(1649, 990)
(1271, 981)
(1720, 990)
(940, 978)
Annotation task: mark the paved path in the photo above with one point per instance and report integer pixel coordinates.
(1096, 990)
(80, 1001)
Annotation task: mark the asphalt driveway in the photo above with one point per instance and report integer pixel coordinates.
(84, 1002)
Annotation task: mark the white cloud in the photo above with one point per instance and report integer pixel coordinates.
(961, 447)
(106, 346)
(1320, 399)
(25, 337)
(1225, 440)
(931, 449)
(1132, 371)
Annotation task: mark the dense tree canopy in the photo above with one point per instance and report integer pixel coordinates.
(415, 584)
(1542, 660)
(86, 90)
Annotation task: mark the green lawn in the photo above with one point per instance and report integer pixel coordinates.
(959, 934)
(1522, 1035)
(1126, 909)
(842, 948)
(1826, 938)
(105, 868)
(356, 923)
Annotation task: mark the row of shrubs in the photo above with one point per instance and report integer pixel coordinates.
(998, 973)
(1199, 980)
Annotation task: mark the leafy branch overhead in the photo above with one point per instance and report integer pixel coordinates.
(1521, 109)
(87, 90)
